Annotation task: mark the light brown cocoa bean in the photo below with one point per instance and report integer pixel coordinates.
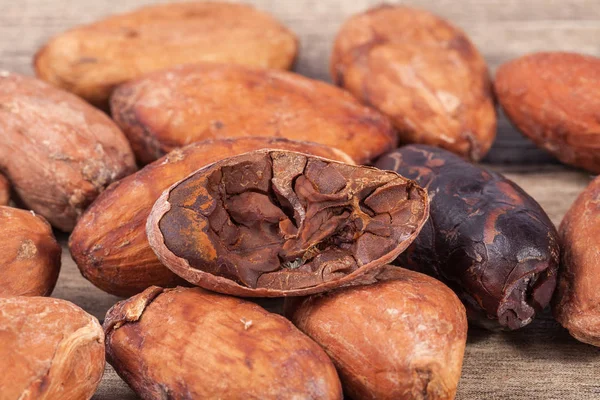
(49, 349)
(29, 254)
(90, 60)
(109, 243)
(188, 343)
(58, 152)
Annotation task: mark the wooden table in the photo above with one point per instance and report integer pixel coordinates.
(540, 361)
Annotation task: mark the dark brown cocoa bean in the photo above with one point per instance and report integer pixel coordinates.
(486, 238)
(276, 223)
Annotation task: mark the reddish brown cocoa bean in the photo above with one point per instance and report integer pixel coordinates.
(485, 238)
(553, 99)
(277, 223)
(188, 343)
(49, 349)
(421, 71)
(91, 60)
(29, 254)
(109, 242)
(4, 191)
(172, 108)
(58, 152)
(577, 299)
(401, 338)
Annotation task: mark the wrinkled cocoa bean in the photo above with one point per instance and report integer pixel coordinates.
(49, 349)
(403, 337)
(577, 299)
(175, 107)
(188, 343)
(90, 60)
(276, 223)
(486, 238)
(29, 254)
(109, 242)
(58, 152)
(422, 72)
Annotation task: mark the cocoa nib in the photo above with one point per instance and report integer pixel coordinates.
(281, 222)
(486, 238)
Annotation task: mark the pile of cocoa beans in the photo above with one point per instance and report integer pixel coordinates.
(194, 173)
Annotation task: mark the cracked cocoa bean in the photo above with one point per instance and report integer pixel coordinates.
(486, 238)
(175, 107)
(49, 349)
(29, 254)
(109, 242)
(58, 152)
(276, 223)
(422, 72)
(403, 337)
(188, 343)
(4, 191)
(575, 304)
(91, 60)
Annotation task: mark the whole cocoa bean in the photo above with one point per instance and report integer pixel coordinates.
(276, 223)
(485, 238)
(49, 349)
(553, 98)
(175, 107)
(58, 152)
(29, 254)
(401, 338)
(575, 304)
(4, 191)
(90, 60)
(421, 71)
(188, 343)
(109, 242)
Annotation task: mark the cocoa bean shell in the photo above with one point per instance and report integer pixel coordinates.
(91, 60)
(553, 99)
(175, 107)
(575, 304)
(29, 254)
(188, 343)
(403, 337)
(49, 349)
(274, 223)
(422, 72)
(109, 243)
(58, 152)
(485, 238)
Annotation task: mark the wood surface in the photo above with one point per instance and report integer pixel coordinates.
(540, 361)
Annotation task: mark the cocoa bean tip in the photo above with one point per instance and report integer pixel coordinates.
(129, 310)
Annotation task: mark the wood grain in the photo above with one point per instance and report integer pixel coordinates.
(539, 362)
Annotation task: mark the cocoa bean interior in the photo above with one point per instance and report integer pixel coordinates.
(286, 220)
